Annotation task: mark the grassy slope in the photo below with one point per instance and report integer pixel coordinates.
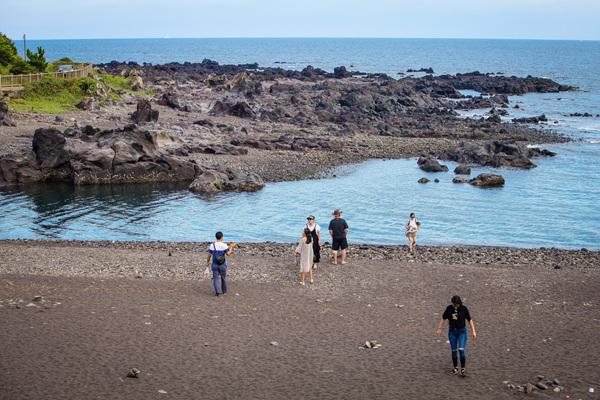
(57, 95)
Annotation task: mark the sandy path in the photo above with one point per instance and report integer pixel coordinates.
(531, 320)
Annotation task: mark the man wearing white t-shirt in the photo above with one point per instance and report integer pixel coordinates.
(217, 261)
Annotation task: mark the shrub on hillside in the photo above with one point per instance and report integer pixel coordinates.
(20, 66)
(54, 95)
(8, 50)
(38, 59)
(50, 86)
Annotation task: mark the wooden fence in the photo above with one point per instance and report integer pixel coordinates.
(16, 82)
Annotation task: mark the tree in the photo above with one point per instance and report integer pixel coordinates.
(37, 60)
(20, 66)
(8, 50)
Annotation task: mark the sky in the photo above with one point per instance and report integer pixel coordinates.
(510, 19)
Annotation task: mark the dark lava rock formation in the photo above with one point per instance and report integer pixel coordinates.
(5, 120)
(495, 153)
(128, 155)
(430, 164)
(487, 180)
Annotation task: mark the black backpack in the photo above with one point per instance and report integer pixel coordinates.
(219, 260)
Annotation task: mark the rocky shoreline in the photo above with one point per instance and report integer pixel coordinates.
(252, 125)
(183, 260)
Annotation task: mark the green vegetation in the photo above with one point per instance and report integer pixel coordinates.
(149, 91)
(54, 95)
(57, 95)
(10, 59)
(20, 66)
(38, 59)
(116, 82)
(8, 51)
(12, 63)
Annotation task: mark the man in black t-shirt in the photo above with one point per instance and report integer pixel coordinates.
(338, 229)
(458, 316)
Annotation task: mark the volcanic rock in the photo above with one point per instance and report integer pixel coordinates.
(214, 181)
(536, 152)
(5, 120)
(171, 100)
(531, 120)
(137, 83)
(341, 72)
(495, 153)
(459, 180)
(508, 85)
(144, 112)
(204, 122)
(90, 156)
(494, 119)
(430, 164)
(425, 70)
(487, 180)
(133, 373)
(246, 83)
(239, 109)
(86, 104)
(222, 149)
(462, 170)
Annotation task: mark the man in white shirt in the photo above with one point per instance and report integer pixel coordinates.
(218, 253)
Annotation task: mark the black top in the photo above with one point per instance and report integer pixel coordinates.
(337, 227)
(457, 316)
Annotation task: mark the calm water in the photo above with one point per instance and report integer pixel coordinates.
(556, 204)
(546, 206)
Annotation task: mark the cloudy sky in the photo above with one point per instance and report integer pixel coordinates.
(521, 19)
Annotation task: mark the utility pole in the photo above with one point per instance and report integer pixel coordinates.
(25, 46)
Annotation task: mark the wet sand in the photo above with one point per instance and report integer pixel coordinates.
(96, 321)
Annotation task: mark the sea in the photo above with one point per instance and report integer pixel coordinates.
(556, 204)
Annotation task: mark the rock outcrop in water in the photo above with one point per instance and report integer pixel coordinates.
(91, 156)
(290, 124)
(128, 155)
(214, 181)
(462, 170)
(430, 164)
(487, 180)
(495, 153)
(507, 85)
(531, 120)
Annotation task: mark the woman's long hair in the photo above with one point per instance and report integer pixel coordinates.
(456, 300)
(308, 235)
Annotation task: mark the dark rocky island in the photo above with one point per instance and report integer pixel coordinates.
(248, 125)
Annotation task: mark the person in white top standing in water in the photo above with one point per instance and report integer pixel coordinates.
(411, 228)
(315, 232)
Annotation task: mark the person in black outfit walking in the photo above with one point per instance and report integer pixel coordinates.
(457, 315)
(315, 231)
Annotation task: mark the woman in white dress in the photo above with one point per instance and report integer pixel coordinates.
(305, 251)
(411, 228)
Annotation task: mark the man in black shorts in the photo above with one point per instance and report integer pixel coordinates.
(338, 229)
